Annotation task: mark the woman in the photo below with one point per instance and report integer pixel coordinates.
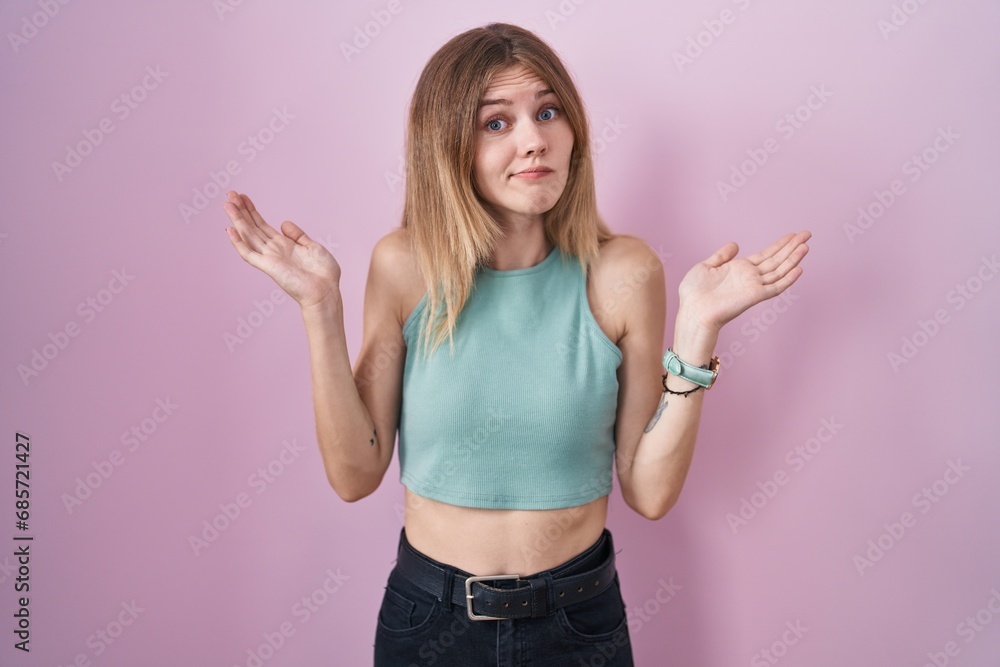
(552, 369)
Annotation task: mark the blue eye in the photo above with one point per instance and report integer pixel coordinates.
(547, 109)
(492, 124)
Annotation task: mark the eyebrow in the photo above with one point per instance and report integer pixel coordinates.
(540, 93)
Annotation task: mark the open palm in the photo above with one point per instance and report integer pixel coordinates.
(302, 267)
(717, 290)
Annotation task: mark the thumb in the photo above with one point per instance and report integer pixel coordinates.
(723, 255)
(295, 233)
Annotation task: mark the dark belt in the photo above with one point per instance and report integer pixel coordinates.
(538, 596)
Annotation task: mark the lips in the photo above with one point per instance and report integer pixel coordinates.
(534, 170)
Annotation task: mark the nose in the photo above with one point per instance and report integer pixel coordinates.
(531, 141)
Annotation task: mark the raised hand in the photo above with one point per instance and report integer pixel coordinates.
(717, 290)
(302, 267)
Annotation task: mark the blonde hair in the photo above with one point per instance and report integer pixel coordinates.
(451, 231)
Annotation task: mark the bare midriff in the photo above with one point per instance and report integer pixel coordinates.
(489, 541)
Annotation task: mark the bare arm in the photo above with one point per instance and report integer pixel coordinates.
(653, 464)
(356, 414)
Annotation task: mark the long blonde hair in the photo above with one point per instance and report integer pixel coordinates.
(451, 232)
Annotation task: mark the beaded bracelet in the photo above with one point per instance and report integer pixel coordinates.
(678, 393)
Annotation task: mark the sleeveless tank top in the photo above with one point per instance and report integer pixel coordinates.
(523, 415)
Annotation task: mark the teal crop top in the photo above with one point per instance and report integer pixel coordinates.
(523, 415)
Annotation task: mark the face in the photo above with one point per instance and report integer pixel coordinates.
(520, 126)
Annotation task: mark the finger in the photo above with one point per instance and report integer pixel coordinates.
(295, 233)
(775, 260)
(783, 284)
(248, 255)
(240, 218)
(255, 236)
(759, 257)
(786, 266)
(723, 255)
(247, 230)
(257, 218)
(790, 239)
(314, 255)
(793, 243)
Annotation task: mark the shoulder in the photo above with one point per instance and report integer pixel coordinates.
(627, 281)
(627, 253)
(625, 263)
(394, 246)
(395, 274)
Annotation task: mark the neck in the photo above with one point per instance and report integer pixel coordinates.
(520, 251)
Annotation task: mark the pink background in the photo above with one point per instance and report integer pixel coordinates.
(669, 135)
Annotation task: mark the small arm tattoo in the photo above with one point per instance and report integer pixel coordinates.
(373, 437)
(656, 416)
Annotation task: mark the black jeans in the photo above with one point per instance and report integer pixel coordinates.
(415, 629)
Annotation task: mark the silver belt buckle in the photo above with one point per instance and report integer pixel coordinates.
(468, 595)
